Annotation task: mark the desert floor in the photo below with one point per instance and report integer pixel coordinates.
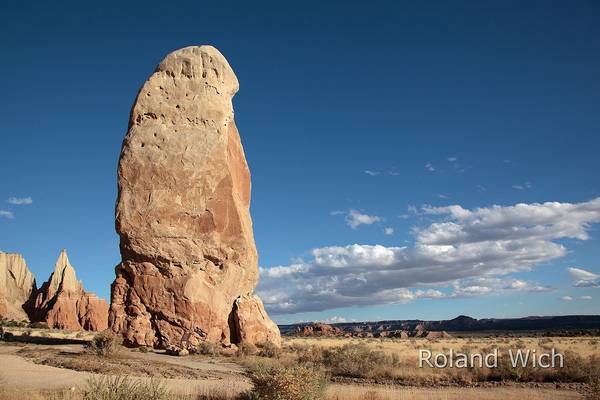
(34, 367)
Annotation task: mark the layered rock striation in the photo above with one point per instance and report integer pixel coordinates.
(189, 262)
(17, 284)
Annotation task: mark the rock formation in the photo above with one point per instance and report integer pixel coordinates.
(319, 329)
(16, 286)
(62, 303)
(189, 262)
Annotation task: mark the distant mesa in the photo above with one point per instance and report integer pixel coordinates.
(61, 302)
(564, 324)
(189, 263)
(365, 331)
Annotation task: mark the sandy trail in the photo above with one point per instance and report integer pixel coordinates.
(19, 373)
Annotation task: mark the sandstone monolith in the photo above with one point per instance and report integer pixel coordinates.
(16, 286)
(189, 262)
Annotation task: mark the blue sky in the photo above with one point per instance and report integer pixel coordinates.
(354, 118)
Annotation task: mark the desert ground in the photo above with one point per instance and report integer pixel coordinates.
(373, 369)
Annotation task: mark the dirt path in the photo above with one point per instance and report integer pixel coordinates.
(17, 372)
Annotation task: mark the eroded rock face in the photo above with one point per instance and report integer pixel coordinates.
(252, 323)
(16, 286)
(182, 214)
(62, 302)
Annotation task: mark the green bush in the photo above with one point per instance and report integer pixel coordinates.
(104, 344)
(39, 325)
(299, 382)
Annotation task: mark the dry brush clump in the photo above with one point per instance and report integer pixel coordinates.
(298, 382)
(105, 344)
(124, 388)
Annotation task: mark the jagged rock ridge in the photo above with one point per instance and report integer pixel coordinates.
(61, 302)
(189, 262)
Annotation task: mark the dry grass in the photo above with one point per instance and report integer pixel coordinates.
(396, 360)
(117, 364)
(348, 392)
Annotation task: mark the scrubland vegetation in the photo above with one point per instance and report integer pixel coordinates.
(329, 369)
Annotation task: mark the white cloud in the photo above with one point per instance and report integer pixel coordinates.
(6, 214)
(586, 297)
(442, 196)
(372, 173)
(584, 278)
(429, 167)
(494, 286)
(354, 219)
(452, 159)
(567, 298)
(526, 185)
(469, 252)
(394, 171)
(337, 212)
(388, 231)
(336, 319)
(19, 200)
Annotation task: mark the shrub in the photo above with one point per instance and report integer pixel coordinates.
(309, 354)
(246, 349)
(207, 349)
(123, 388)
(299, 382)
(594, 390)
(356, 361)
(269, 349)
(104, 344)
(39, 325)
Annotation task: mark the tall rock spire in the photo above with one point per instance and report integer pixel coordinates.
(189, 261)
(64, 304)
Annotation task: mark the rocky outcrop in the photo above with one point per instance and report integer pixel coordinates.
(252, 323)
(189, 262)
(62, 302)
(319, 329)
(16, 286)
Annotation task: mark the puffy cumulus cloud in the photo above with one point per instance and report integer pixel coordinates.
(567, 298)
(586, 297)
(429, 167)
(389, 231)
(464, 253)
(583, 278)
(354, 219)
(19, 200)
